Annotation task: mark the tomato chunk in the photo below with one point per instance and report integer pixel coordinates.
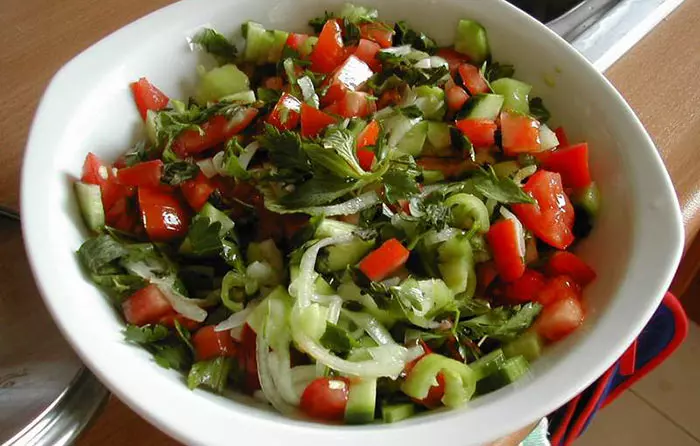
(353, 104)
(366, 159)
(486, 274)
(561, 137)
(216, 131)
(314, 120)
(472, 79)
(163, 215)
(148, 97)
(146, 306)
(385, 260)
(295, 41)
(481, 132)
(247, 359)
(503, 240)
(559, 319)
(367, 52)
(328, 52)
(143, 174)
(520, 133)
(389, 97)
(526, 288)
(572, 164)
(352, 74)
(169, 321)
(551, 219)
(197, 191)
(286, 114)
(369, 135)
(456, 97)
(124, 213)
(568, 263)
(378, 32)
(96, 171)
(558, 288)
(209, 343)
(325, 398)
(453, 58)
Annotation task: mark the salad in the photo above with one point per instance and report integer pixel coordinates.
(352, 225)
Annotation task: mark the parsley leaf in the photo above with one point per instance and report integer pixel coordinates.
(317, 22)
(337, 339)
(204, 236)
(538, 110)
(97, 254)
(216, 44)
(286, 152)
(319, 190)
(495, 71)
(503, 190)
(343, 143)
(404, 35)
(177, 172)
(168, 351)
(460, 141)
(146, 334)
(404, 69)
(212, 374)
(231, 163)
(400, 180)
(502, 323)
(138, 154)
(351, 32)
(118, 286)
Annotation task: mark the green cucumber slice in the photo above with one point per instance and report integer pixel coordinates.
(90, 201)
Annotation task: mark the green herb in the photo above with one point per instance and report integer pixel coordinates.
(320, 190)
(337, 339)
(400, 180)
(177, 172)
(502, 323)
(216, 44)
(138, 154)
(404, 35)
(503, 190)
(351, 33)
(494, 71)
(538, 110)
(118, 286)
(184, 335)
(286, 152)
(171, 355)
(212, 374)
(146, 334)
(343, 143)
(204, 236)
(462, 143)
(97, 254)
(317, 22)
(403, 69)
(268, 95)
(231, 163)
(411, 111)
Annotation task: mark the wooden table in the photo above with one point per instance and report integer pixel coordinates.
(658, 77)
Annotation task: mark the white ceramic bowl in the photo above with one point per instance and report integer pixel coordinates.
(635, 246)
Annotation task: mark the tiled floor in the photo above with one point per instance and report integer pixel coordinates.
(661, 409)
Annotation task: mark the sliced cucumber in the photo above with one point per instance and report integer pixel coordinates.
(413, 141)
(431, 101)
(392, 413)
(506, 169)
(338, 257)
(362, 399)
(244, 97)
(308, 45)
(529, 345)
(439, 142)
(220, 82)
(151, 131)
(514, 92)
(333, 228)
(589, 199)
(433, 176)
(548, 139)
(472, 40)
(509, 372)
(489, 364)
(262, 46)
(90, 201)
(356, 13)
(266, 251)
(485, 106)
(215, 215)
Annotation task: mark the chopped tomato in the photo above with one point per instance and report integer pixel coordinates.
(328, 52)
(558, 288)
(197, 191)
(486, 273)
(551, 219)
(148, 97)
(367, 52)
(559, 319)
(503, 240)
(388, 98)
(96, 171)
(325, 398)
(383, 261)
(481, 132)
(162, 214)
(286, 114)
(353, 104)
(378, 32)
(247, 359)
(520, 133)
(274, 83)
(348, 77)
(124, 213)
(565, 262)
(209, 343)
(295, 41)
(472, 79)
(216, 131)
(572, 164)
(314, 120)
(368, 136)
(146, 306)
(526, 288)
(456, 97)
(143, 174)
(453, 58)
(169, 321)
(366, 159)
(561, 137)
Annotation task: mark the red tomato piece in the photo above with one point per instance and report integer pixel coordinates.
(209, 343)
(378, 32)
(472, 79)
(526, 288)
(486, 273)
(453, 58)
(353, 104)
(295, 40)
(561, 137)
(314, 120)
(143, 174)
(558, 288)
(146, 306)
(148, 97)
(348, 77)
(124, 213)
(456, 97)
(388, 98)
(286, 114)
(383, 261)
(169, 321)
(368, 136)
(247, 359)
(274, 83)
(568, 263)
(96, 171)
(366, 159)
(551, 219)
(481, 132)
(572, 164)
(520, 133)
(197, 191)
(328, 52)
(325, 398)
(162, 214)
(503, 240)
(559, 319)
(367, 52)
(216, 131)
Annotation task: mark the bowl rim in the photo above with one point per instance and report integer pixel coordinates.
(450, 423)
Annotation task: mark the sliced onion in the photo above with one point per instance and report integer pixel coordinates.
(524, 173)
(248, 153)
(261, 272)
(398, 50)
(181, 304)
(518, 229)
(423, 63)
(303, 373)
(207, 167)
(218, 162)
(437, 61)
(282, 375)
(267, 385)
(334, 308)
(391, 281)
(446, 234)
(237, 319)
(548, 139)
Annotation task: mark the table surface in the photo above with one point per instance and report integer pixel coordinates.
(658, 77)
